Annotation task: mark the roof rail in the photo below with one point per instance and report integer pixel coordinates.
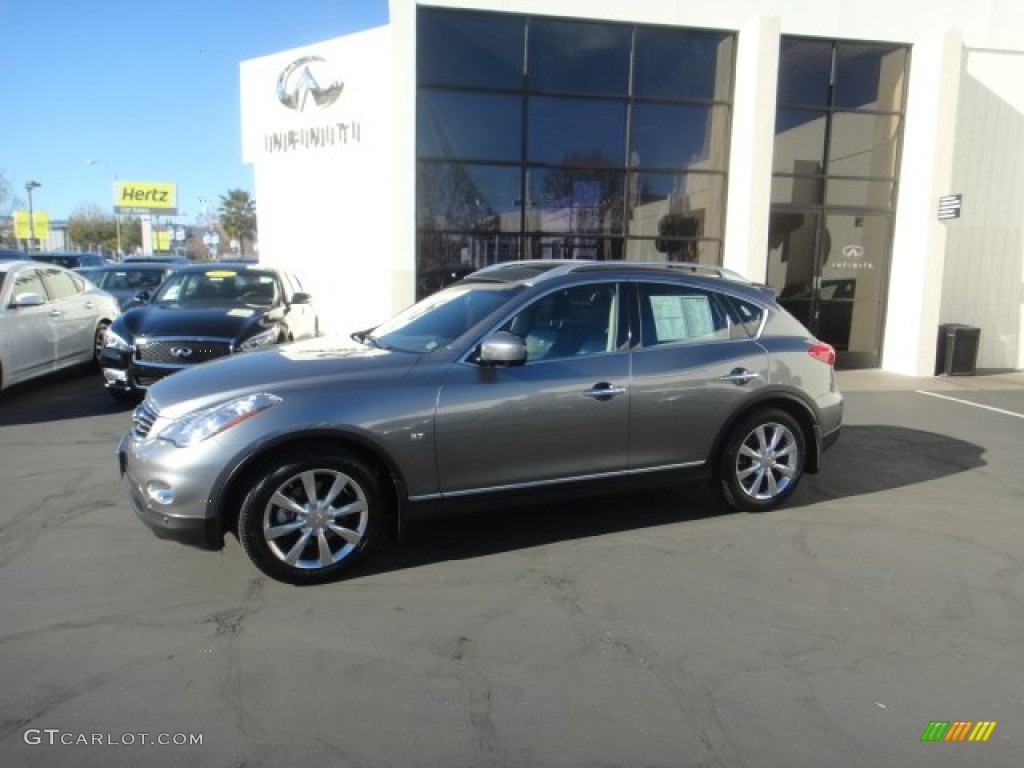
(549, 268)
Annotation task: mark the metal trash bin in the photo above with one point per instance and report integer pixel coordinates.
(956, 351)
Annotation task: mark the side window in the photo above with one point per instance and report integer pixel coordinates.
(572, 322)
(28, 281)
(673, 314)
(748, 318)
(60, 285)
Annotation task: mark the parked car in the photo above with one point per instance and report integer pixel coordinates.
(164, 258)
(72, 260)
(127, 281)
(200, 313)
(524, 377)
(50, 318)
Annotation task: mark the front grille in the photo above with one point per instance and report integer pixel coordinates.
(181, 351)
(142, 419)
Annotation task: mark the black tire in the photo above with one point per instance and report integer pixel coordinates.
(125, 398)
(99, 339)
(308, 533)
(761, 461)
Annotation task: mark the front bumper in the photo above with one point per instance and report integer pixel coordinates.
(171, 491)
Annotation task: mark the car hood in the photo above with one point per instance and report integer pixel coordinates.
(275, 370)
(206, 322)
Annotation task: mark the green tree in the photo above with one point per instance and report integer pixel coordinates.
(237, 216)
(92, 229)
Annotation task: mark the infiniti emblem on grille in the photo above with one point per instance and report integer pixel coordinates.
(181, 351)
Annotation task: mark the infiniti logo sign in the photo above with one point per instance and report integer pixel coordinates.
(301, 81)
(181, 352)
(853, 251)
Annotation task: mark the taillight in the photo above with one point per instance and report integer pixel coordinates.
(824, 352)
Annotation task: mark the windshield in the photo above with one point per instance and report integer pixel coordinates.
(126, 279)
(441, 318)
(219, 286)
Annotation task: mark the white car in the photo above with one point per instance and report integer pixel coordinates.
(50, 318)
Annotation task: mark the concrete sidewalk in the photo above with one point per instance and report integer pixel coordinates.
(875, 380)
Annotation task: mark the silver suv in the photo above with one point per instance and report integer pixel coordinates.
(523, 377)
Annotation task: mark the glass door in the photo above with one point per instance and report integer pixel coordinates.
(830, 271)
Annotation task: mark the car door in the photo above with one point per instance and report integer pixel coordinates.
(30, 334)
(302, 317)
(562, 415)
(694, 365)
(74, 314)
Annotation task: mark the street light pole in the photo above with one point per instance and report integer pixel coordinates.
(117, 216)
(29, 186)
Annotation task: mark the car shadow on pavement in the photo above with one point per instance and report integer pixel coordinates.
(71, 394)
(866, 460)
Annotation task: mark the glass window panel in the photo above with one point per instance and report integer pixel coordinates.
(441, 257)
(805, 69)
(680, 135)
(870, 77)
(860, 193)
(683, 65)
(478, 198)
(863, 145)
(668, 205)
(468, 49)
(578, 56)
(460, 126)
(575, 200)
(690, 251)
(799, 142)
(798, 190)
(576, 131)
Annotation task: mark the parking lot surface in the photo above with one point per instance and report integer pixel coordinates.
(652, 629)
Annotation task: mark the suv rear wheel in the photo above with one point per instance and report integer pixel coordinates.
(761, 461)
(310, 516)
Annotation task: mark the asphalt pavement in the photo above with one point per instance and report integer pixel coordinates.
(648, 629)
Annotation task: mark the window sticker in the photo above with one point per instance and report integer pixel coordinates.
(682, 317)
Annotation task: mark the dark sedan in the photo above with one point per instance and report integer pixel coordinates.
(200, 313)
(127, 281)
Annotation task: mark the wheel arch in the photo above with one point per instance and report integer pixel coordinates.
(793, 404)
(231, 487)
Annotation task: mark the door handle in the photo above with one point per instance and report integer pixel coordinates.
(604, 391)
(56, 313)
(88, 305)
(740, 376)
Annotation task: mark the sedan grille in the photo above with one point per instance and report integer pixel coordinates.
(181, 351)
(142, 419)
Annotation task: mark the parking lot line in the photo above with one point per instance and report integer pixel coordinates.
(968, 402)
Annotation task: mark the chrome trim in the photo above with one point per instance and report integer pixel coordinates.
(557, 481)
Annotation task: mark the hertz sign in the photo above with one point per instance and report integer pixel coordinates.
(157, 197)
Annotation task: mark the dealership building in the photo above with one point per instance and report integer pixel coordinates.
(865, 159)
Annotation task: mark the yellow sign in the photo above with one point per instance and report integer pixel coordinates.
(40, 223)
(160, 197)
(162, 240)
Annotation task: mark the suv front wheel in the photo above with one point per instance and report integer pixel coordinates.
(310, 516)
(761, 461)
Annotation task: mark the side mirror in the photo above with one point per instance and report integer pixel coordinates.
(301, 298)
(143, 296)
(27, 299)
(502, 348)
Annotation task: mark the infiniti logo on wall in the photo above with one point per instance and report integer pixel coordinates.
(853, 251)
(300, 84)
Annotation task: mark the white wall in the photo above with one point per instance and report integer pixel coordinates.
(984, 275)
(325, 211)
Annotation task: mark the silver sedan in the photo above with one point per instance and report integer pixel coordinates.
(50, 318)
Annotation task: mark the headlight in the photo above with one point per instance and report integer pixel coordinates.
(199, 426)
(114, 341)
(262, 339)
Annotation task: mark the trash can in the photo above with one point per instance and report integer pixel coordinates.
(956, 351)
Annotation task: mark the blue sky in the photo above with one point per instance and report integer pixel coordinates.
(149, 89)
